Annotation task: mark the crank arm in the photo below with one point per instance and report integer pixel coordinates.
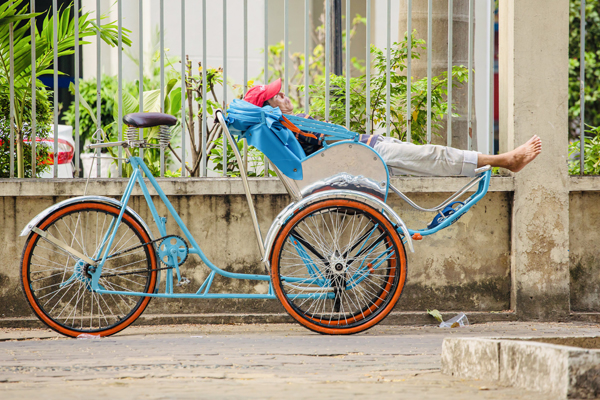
(63, 246)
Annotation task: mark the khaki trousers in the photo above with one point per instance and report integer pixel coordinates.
(405, 158)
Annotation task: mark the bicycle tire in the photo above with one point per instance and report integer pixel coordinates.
(58, 291)
(348, 257)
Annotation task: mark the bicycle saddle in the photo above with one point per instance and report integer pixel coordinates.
(149, 119)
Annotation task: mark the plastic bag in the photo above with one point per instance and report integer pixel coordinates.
(88, 336)
(455, 322)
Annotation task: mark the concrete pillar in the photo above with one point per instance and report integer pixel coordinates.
(536, 58)
(460, 43)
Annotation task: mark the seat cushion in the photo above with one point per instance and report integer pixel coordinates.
(149, 119)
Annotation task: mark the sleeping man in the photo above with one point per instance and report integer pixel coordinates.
(405, 158)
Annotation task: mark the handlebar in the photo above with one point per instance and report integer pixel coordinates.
(482, 169)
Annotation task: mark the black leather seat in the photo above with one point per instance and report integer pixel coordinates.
(148, 120)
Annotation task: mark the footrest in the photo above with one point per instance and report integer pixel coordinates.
(447, 212)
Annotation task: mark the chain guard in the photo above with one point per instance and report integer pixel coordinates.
(173, 251)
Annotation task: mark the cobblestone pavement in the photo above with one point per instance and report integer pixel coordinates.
(250, 361)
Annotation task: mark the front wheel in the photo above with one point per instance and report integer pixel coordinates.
(58, 286)
(338, 266)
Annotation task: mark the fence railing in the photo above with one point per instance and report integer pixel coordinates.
(582, 90)
(383, 15)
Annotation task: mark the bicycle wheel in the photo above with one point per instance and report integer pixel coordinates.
(58, 286)
(338, 266)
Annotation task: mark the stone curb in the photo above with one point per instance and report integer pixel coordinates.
(395, 318)
(558, 370)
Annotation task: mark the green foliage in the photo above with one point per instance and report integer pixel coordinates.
(171, 104)
(256, 159)
(193, 86)
(44, 46)
(43, 121)
(173, 174)
(109, 116)
(152, 102)
(592, 154)
(108, 106)
(592, 64)
(397, 91)
(316, 62)
(109, 102)
(109, 95)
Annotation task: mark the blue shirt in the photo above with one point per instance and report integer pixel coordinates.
(312, 142)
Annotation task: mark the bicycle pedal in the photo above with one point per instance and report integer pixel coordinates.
(446, 213)
(183, 281)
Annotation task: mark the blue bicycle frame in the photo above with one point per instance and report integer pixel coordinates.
(139, 169)
(484, 183)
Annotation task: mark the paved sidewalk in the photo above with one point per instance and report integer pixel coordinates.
(251, 361)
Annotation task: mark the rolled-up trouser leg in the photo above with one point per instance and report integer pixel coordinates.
(425, 160)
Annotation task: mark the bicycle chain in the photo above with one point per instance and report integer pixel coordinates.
(139, 247)
(135, 272)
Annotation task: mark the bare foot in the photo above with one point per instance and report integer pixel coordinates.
(518, 158)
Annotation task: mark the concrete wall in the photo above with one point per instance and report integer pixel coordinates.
(448, 271)
(465, 267)
(530, 244)
(584, 252)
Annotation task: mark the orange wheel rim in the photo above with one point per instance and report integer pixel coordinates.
(26, 281)
(397, 268)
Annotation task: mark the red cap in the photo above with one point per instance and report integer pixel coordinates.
(259, 94)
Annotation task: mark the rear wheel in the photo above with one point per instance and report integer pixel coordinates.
(338, 266)
(58, 286)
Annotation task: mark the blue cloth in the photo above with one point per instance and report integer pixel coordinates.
(260, 126)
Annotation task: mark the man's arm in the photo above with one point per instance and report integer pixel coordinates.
(310, 141)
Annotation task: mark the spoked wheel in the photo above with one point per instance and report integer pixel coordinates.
(338, 266)
(58, 285)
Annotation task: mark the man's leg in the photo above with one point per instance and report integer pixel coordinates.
(516, 159)
(425, 160)
(432, 160)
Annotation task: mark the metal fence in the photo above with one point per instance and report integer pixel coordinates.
(582, 90)
(244, 37)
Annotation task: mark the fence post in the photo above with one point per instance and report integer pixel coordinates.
(536, 56)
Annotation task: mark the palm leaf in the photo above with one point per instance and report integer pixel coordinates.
(84, 104)
(152, 100)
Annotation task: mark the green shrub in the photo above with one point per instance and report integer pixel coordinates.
(15, 13)
(87, 90)
(256, 159)
(592, 64)
(398, 100)
(43, 130)
(591, 154)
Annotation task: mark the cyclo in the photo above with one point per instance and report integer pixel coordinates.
(334, 257)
